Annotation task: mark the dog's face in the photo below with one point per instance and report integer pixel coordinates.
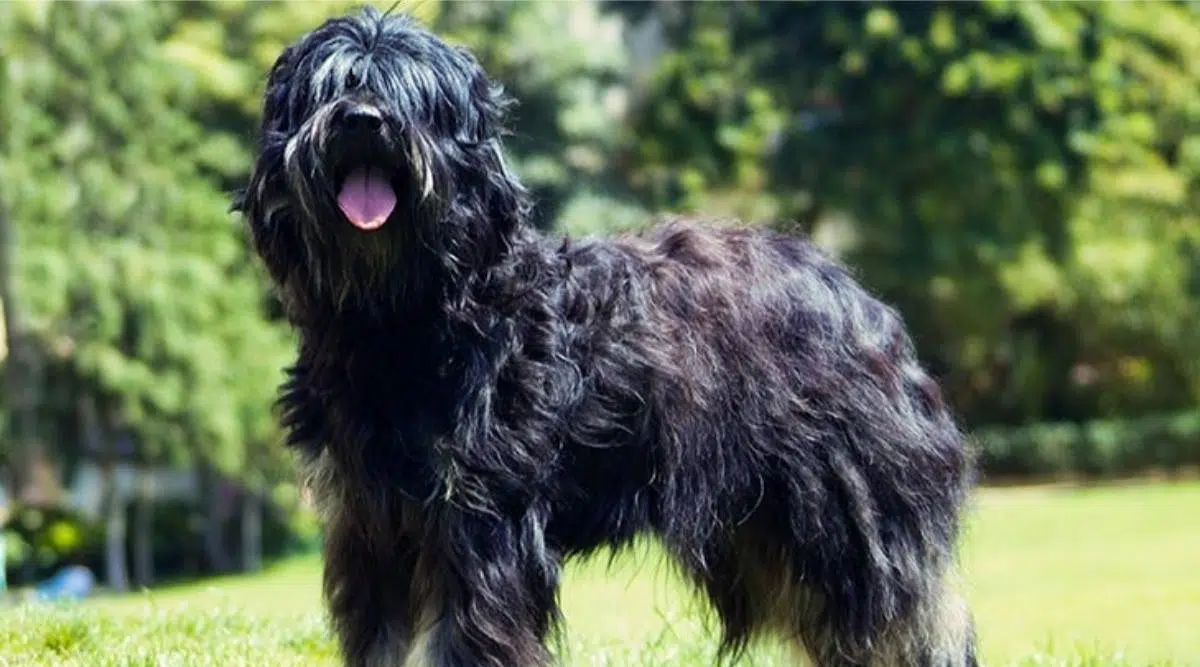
(379, 164)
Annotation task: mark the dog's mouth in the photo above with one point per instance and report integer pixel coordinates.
(367, 197)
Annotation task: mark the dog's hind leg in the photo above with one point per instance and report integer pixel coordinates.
(939, 632)
(756, 594)
(759, 588)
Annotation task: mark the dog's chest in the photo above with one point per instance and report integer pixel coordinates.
(385, 408)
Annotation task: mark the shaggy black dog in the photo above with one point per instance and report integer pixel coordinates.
(474, 402)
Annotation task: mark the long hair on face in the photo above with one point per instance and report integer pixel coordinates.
(439, 141)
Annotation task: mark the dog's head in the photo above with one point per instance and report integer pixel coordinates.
(379, 173)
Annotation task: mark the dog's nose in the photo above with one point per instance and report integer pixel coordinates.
(362, 117)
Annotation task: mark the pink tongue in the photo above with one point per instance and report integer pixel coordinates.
(367, 199)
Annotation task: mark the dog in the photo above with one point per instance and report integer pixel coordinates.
(475, 402)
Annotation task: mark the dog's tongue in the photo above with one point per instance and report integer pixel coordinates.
(367, 199)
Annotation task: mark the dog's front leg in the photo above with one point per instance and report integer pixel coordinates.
(498, 585)
(368, 590)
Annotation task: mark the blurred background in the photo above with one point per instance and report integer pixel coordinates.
(1021, 179)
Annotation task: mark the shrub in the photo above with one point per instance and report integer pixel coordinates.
(1095, 449)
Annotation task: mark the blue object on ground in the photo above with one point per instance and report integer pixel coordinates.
(73, 582)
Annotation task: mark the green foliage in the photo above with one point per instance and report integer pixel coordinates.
(139, 285)
(127, 130)
(1019, 178)
(49, 538)
(566, 66)
(1094, 449)
(46, 539)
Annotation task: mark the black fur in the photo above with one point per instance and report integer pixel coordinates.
(475, 402)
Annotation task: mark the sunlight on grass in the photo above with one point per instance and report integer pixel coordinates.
(1114, 568)
(285, 589)
(1098, 577)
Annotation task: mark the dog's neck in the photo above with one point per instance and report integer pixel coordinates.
(421, 299)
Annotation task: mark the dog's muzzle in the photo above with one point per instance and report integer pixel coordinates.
(366, 194)
(362, 159)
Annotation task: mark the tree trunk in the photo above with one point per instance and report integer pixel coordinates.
(252, 511)
(214, 536)
(22, 390)
(115, 569)
(112, 507)
(143, 530)
(22, 372)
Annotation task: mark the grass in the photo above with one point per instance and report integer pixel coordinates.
(1104, 577)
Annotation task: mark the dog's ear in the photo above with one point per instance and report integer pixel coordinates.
(282, 67)
(275, 98)
(485, 116)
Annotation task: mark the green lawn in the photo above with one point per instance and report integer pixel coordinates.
(1056, 577)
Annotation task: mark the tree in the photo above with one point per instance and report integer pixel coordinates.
(995, 169)
(21, 394)
(137, 279)
(566, 66)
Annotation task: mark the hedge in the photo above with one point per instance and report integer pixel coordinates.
(1102, 448)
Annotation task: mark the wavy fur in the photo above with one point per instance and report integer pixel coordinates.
(475, 402)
